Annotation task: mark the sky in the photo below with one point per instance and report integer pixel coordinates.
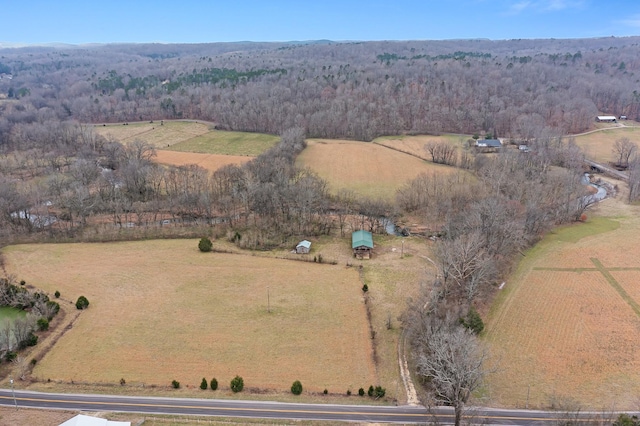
(204, 21)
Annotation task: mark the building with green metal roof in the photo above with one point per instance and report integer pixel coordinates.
(362, 244)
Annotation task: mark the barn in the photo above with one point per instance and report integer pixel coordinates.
(303, 247)
(362, 244)
(606, 118)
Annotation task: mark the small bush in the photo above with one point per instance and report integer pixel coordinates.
(204, 384)
(348, 392)
(123, 382)
(43, 324)
(22, 282)
(33, 361)
(57, 294)
(626, 420)
(296, 387)
(361, 392)
(325, 391)
(371, 390)
(473, 321)
(10, 356)
(175, 384)
(214, 384)
(31, 339)
(54, 308)
(205, 245)
(82, 303)
(365, 288)
(379, 392)
(237, 384)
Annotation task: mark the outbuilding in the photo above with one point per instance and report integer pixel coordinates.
(303, 247)
(362, 244)
(82, 420)
(606, 118)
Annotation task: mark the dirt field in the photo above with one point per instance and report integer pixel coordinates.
(367, 169)
(161, 310)
(568, 322)
(210, 162)
(598, 145)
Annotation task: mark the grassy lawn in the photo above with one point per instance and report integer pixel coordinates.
(160, 136)
(161, 310)
(8, 313)
(228, 143)
(567, 325)
(367, 169)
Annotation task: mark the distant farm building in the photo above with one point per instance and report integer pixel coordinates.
(362, 244)
(488, 145)
(606, 118)
(303, 247)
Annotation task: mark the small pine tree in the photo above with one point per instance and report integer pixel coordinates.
(361, 392)
(175, 384)
(325, 391)
(473, 321)
(348, 392)
(43, 324)
(379, 391)
(370, 391)
(56, 294)
(203, 384)
(296, 387)
(205, 245)
(237, 384)
(365, 288)
(214, 384)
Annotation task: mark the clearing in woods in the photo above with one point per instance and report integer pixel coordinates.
(568, 323)
(415, 144)
(367, 169)
(598, 146)
(211, 162)
(161, 310)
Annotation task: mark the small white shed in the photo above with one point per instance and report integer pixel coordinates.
(303, 247)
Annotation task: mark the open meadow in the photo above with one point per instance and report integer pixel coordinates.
(414, 144)
(155, 134)
(161, 310)
(367, 169)
(211, 162)
(598, 145)
(567, 324)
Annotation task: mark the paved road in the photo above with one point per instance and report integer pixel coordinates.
(269, 410)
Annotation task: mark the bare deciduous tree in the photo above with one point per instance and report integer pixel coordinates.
(623, 149)
(451, 359)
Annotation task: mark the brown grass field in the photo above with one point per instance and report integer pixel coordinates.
(211, 162)
(568, 323)
(415, 144)
(161, 310)
(171, 133)
(599, 145)
(367, 169)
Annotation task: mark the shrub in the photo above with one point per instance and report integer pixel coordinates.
(205, 245)
(214, 384)
(53, 308)
(57, 294)
(43, 324)
(237, 384)
(379, 392)
(296, 387)
(361, 392)
(626, 420)
(82, 303)
(34, 361)
(348, 392)
(175, 384)
(370, 391)
(22, 282)
(325, 391)
(203, 384)
(10, 356)
(123, 382)
(365, 288)
(31, 339)
(473, 321)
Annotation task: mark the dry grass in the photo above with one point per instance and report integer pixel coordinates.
(599, 145)
(415, 144)
(171, 133)
(210, 162)
(25, 416)
(161, 310)
(228, 143)
(572, 333)
(367, 169)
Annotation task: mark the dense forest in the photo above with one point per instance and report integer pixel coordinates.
(513, 88)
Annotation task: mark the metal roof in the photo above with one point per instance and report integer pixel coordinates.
(304, 243)
(361, 238)
(606, 117)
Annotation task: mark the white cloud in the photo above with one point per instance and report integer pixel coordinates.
(633, 21)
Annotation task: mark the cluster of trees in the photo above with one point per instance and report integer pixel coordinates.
(337, 90)
(18, 334)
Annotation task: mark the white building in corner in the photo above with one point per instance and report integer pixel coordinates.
(82, 420)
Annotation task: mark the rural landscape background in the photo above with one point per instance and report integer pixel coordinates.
(499, 179)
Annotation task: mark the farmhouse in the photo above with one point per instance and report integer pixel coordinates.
(362, 244)
(303, 247)
(606, 118)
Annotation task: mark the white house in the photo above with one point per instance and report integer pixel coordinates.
(303, 247)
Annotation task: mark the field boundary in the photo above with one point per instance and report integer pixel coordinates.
(606, 273)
